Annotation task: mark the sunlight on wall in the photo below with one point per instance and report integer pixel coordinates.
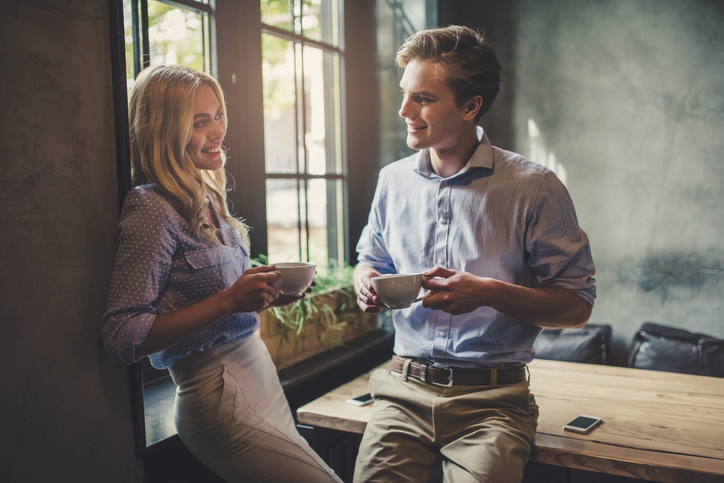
(540, 154)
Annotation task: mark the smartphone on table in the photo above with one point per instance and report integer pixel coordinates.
(363, 400)
(583, 424)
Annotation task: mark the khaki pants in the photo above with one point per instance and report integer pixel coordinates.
(232, 415)
(422, 433)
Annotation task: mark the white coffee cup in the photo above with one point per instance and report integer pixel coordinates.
(399, 290)
(295, 277)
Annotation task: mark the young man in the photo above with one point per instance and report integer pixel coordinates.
(509, 259)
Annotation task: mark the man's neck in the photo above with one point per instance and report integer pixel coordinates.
(448, 162)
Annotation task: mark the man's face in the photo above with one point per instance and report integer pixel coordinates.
(433, 118)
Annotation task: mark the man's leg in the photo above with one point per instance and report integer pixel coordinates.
(488, 434)
(397, 445)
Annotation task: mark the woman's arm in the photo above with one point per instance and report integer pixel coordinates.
(252, 292)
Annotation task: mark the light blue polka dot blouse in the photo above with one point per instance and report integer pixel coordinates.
(161, 265)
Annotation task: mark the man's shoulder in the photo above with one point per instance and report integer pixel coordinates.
(517, 164)
(398, 172)
(400, 167)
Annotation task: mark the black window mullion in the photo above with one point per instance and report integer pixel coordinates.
(330, 141)
(306, 176)
(190, 5)
(299, 216)
(305, 151)
(145, 41)
(279, 32)
(137, 43)
(297, 140)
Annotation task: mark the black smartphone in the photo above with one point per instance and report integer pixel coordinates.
(583, 424)
(363, 400)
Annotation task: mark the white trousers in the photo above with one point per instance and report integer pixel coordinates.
(232, 415)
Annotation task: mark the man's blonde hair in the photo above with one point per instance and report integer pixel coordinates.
(466, 61)
(161, 115)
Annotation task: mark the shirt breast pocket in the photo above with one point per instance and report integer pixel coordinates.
(206, 258)
(217, 267)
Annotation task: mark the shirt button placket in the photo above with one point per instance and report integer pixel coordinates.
(441, 238)
(442, 225)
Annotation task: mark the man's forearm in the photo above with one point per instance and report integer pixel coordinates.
(552, 307)
(458, 293)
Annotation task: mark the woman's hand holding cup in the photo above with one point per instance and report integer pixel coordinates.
(254, 290)
(286, 299)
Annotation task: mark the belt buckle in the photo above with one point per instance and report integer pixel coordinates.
(449, 381)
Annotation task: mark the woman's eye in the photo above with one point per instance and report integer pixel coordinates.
(199, 125)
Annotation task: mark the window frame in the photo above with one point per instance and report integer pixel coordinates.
(304, 177)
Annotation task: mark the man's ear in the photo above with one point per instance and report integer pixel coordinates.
(472, 107)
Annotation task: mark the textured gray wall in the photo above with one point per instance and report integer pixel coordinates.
(629, 95)
(64, 411)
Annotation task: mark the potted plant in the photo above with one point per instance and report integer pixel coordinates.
(325, 318)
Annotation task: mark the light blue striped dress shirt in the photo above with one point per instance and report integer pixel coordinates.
(502, 216)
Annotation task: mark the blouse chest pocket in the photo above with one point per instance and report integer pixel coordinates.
(209, 257)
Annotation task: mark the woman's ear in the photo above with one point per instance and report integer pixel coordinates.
(473, 107)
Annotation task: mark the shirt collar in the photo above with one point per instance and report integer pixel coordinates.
(481, 158)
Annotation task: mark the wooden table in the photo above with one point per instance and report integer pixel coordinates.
(657, 426)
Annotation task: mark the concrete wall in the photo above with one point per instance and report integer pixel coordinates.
(64, 411)
(628, 96)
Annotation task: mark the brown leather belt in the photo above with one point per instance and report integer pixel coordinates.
(450, 376)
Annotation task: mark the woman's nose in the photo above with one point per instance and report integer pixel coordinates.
(218, 131)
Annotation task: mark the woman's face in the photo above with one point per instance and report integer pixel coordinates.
(208, 131)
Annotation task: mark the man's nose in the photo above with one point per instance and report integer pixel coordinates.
(406, 109)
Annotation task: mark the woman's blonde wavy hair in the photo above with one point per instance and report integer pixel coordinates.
(161, 116)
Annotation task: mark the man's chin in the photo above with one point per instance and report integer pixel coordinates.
(414, 143)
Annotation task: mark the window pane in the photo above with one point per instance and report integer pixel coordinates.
(320, 21)
(128, 37)
(322, 100)
(318, 222)
(325, 217)
(176, 36)
(280, 145)
(277, 13)
(285, 213)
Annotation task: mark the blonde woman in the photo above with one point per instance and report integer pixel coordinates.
(182, 292)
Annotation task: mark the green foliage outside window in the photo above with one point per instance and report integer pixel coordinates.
(175, 36)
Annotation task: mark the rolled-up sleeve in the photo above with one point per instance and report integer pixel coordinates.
(145, 246)
(558, 249)
(371, 248)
